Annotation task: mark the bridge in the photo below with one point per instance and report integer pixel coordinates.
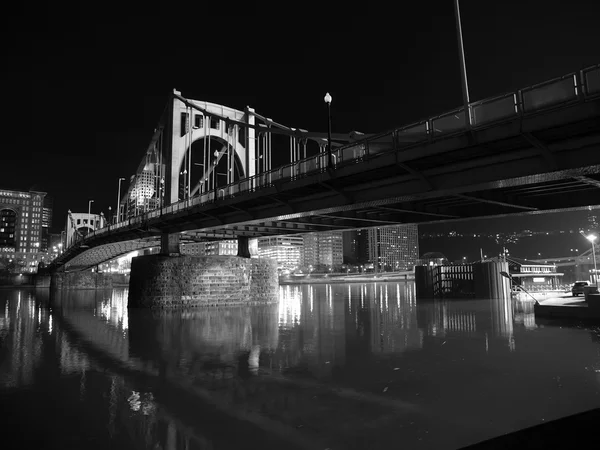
(211, 172)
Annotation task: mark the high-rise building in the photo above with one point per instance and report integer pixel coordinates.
(46, 223)
(21, 231)
(287, 250)
(356, 246)
(394, 248)
(324, 248)
(592, 221)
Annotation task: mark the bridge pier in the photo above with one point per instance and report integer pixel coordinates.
(169, 244)
(184, 281)
(243, 247)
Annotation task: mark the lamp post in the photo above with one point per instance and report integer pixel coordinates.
(329, 156)
(118, 211)
(90, 213)
(463, 68)
(592, 238)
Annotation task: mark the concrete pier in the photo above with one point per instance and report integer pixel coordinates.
(162, 281)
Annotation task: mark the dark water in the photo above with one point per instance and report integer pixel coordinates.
(331, 366)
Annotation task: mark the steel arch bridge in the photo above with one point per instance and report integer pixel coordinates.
(208, 172)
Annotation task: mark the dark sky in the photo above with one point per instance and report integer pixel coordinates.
(83, 89)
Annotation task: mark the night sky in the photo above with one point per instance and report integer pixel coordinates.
(83, 89)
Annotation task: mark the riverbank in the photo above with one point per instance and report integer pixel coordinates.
(331, 279)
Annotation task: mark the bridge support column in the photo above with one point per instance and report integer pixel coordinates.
(161, 281)
(243, 247)
(169, 243)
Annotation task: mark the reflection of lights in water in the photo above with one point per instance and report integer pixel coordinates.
(145, 404)
(290, 303)
(311, 298)
(114, 310)
(134, 401)
(349, 299)
(50, 324)
(386, 297)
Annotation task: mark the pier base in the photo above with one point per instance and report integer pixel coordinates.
(161, 281)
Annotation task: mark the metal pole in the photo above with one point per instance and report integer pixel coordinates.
(595, 269)
(90, 213)
(119, 201)
(463, 69)
(329, 156)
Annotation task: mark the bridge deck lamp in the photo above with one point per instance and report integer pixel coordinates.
(329, 157)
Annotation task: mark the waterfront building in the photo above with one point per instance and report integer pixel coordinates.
(287, 250)
(432, 259)
(532, 275)
(24, 221)
(394, 248)
(323, 249)
(209, 248)
(356, 246)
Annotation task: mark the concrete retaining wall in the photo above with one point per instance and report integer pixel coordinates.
(160, 281)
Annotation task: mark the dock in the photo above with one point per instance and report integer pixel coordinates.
(568, 307)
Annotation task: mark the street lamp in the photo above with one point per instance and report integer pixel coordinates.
(119, 201)
(592, 238)
(463, 68)
(329, 157)
(90, 213)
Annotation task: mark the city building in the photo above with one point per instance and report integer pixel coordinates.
(356, 246)
(23, 223)
(322, 249)
(143, 194)
(208, 248)
(532, 275)
(287, 250)
(592, 220)
(47, 207)
(394, 248)
(432, 259)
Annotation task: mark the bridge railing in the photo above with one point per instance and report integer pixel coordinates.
(554, 93)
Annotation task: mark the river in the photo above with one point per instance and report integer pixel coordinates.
(341, 366)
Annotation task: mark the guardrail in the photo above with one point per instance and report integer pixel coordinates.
(554, 93)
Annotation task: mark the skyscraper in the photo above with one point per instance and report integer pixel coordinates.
(394, 248)
(46, 223)
(21, 220)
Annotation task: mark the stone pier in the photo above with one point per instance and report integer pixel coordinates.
(184, 281)
(79, 280)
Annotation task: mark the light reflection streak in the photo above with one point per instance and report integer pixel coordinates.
(290, 303)
(114, 310)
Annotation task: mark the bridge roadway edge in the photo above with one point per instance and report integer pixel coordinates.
(185, 281)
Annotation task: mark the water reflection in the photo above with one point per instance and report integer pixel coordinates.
(346, 366)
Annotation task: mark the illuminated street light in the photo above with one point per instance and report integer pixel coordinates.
(328, 99)
(592, 238)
